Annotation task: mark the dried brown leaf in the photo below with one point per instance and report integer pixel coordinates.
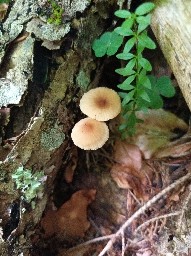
(157, 130)
(70, 220)
(128, 154)
(174, 149)
(129, 172)
(130, 178)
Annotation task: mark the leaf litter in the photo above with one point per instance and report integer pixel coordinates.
(115, 198)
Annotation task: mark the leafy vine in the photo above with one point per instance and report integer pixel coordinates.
(139, 90)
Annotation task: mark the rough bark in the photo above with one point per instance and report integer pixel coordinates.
(37, 118)
(171, 26)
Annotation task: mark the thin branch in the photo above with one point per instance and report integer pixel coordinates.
(134, 197)
(157, 218)
(142, 210)
(123, 244)
(92, 241)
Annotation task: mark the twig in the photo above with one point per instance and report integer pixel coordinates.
(157, 218)
(95, 240)
(123, 244)
(142, 210)
(134, 197)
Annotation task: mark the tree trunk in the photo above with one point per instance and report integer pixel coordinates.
(172, 29)
(45, 68)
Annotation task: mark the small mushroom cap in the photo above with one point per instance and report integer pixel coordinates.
(101, 103)
(90, 134)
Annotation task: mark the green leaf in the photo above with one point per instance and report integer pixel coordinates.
(140, 48)
(143, 94)
(156, 101)
(144, 19)
(127, 108)
(154, 94)
(145, 64)
(100, 45)
(125, 28)
(129, 45)
(144, 8)
(128, 97)
(122, 94)
(144, 22)
(130, 125)
(124, 71)
(108, 43)
(152, 79)
(146, 41)
(114, 44)
(128, 23)
(165, 86)
(123, 31)
(142, 27)
(144, 80)
(125, 56)
(126, 85)
(122, 14)
(130, 65)
(128, 70)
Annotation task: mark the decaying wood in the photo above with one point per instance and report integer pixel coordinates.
(172, 28)
(41, 142)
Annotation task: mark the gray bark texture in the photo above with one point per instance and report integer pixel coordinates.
(172, 28)
(45, 69)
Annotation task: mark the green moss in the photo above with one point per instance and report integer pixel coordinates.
(56, 15)
(52, 138)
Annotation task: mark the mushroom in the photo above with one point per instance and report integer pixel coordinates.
(101, 103)
(90, 134)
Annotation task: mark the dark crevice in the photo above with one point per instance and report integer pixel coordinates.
(20, 115)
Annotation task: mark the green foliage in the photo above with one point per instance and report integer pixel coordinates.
(108, 43)
(28, 183)
(139, 91)
(4, 1)
(56, 15)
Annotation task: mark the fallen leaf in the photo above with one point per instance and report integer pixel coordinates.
(70, 220)
(129, 178)
(129, 172)
(157, 130)
(128, 154)
(178, 148)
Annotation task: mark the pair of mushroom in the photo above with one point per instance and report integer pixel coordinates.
(99, 104)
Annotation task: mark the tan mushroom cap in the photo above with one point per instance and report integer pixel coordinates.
(90, 134)
(101, 103)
